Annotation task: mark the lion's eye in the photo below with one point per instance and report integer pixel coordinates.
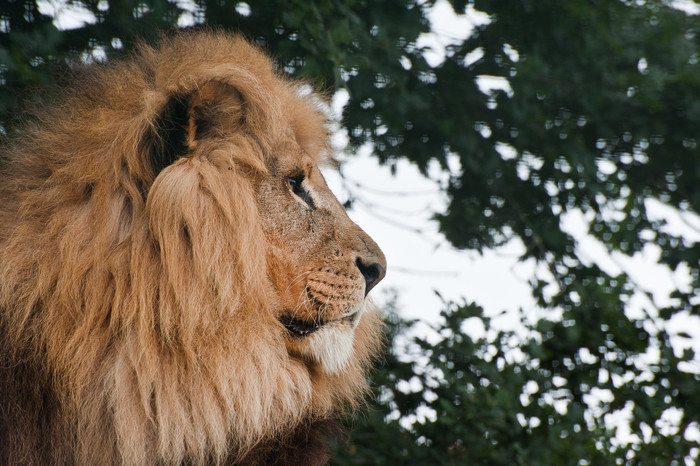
(295, 185)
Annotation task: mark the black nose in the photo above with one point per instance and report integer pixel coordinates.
(372, 272)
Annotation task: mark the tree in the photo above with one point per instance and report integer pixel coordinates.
(600, 118)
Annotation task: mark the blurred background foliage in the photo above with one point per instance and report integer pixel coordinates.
(599, 114)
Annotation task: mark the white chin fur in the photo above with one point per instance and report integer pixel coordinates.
(331, 347)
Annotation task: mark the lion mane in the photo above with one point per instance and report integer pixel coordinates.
(152, 224)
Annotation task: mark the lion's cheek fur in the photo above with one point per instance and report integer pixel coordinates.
(207, 229)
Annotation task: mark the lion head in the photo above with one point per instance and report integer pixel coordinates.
(177, 282)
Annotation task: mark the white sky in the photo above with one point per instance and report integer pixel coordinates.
(419, 260)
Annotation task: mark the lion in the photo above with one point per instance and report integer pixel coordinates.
(178, 285)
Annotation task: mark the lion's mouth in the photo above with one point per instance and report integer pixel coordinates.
(300, 327)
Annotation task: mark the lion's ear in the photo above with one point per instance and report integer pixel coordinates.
(214, 110)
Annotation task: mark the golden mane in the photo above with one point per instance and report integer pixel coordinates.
(137, 314)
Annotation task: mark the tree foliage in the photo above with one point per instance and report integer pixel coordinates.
(600, 116)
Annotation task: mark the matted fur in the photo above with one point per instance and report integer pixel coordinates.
(153, 238)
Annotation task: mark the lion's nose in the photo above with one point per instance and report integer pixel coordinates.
(372, 271)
